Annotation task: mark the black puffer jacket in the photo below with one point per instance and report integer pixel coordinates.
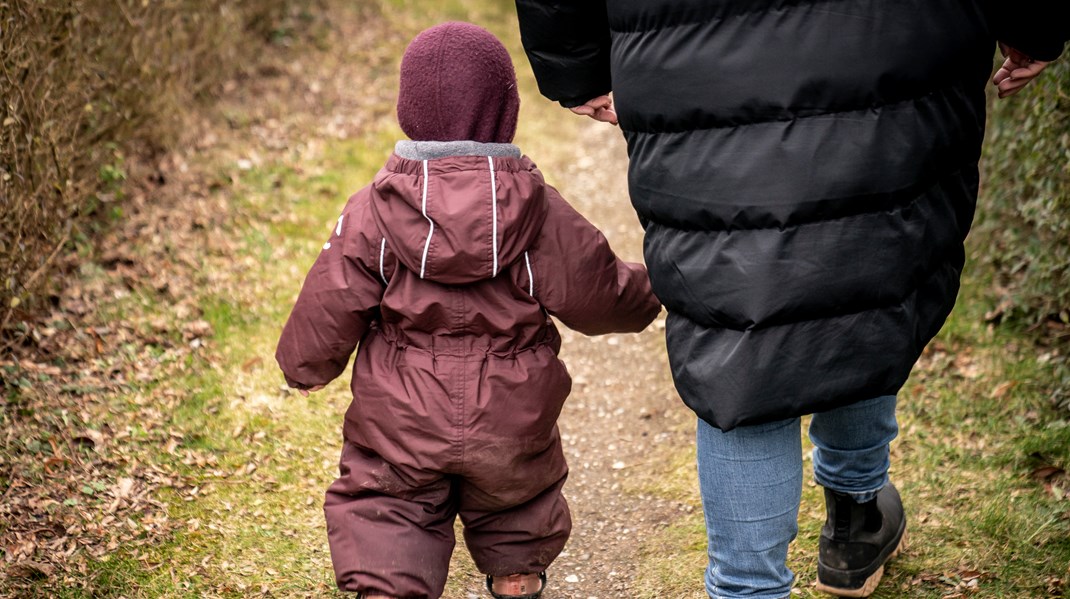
(806, 172)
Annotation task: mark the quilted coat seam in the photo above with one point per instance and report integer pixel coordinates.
(917, 197)
(724, 17)
(911, 291)
(806, 117)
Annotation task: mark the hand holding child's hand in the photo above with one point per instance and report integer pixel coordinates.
(305, 392)
(599, 109)
(1017, 71)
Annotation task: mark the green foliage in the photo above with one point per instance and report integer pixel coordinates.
(1024, 214)
(1023, 226)
(81, 78)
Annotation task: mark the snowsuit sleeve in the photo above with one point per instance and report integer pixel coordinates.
(579, 279)
(1039, 28)
(567, 43)
(338, 301)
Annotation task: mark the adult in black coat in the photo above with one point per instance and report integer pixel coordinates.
(806, 173)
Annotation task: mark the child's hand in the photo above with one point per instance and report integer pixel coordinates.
(599, 109)
(1017, 71)
(305, 392)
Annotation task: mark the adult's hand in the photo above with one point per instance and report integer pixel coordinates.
(305, 392)
(1017, 71)
(599, 109)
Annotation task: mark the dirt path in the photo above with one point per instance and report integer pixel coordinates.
(623, 418)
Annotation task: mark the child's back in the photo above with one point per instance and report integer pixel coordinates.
(445, 270)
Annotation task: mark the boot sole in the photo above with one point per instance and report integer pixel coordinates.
(870, 585)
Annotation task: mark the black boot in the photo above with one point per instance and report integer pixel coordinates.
(857, 540)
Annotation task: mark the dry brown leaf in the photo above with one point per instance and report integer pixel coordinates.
(98, 341)
(966, 367)
(52, 461)
(1047, 472)
(89, 437)
(252, 363)
(1001, 389)
(197, 329)
(30, 569)
(123, 488)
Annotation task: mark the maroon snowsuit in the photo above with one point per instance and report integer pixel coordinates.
(445, 271)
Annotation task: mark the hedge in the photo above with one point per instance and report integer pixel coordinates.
(1023, 224)
(81, 79)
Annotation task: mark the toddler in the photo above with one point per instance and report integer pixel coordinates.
(445, 270)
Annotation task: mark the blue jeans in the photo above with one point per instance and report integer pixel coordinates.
(751, 484)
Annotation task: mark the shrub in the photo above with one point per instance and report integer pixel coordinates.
(1024, 213)
(1023, 227)
(79, 80)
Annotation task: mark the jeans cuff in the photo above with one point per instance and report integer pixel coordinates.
(857, 496)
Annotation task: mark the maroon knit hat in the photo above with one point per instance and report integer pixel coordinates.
(458, 83)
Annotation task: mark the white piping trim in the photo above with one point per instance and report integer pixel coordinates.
(382, 252)
(431, 231)
(531, 279)
(494, 214)
(338, 229)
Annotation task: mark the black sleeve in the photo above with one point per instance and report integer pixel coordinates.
(567, 43)
(1038, 28)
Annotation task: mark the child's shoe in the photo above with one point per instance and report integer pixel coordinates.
(519, 584)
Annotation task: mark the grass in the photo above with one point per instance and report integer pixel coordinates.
(976, 422)
(262, 528)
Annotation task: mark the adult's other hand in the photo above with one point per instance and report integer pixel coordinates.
(1017, 71)
(599, 109)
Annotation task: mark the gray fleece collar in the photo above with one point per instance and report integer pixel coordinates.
(429, 150)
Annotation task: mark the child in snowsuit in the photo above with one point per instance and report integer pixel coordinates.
(445, 270)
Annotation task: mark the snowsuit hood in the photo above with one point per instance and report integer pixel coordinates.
(458, 212)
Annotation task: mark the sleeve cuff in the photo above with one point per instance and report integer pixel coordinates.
(296, 385)
(1037, 51)
(581, 100)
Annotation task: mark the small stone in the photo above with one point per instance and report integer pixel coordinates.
(572, 579)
